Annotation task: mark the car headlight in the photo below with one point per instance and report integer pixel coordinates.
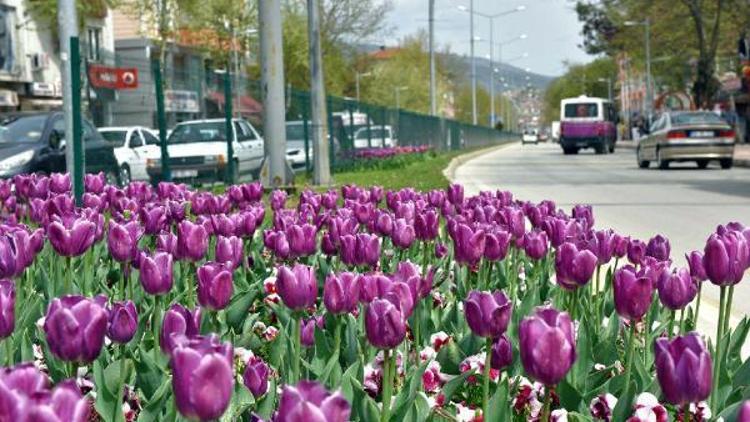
(16, 160)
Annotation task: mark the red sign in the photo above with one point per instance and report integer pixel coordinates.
(113, 77)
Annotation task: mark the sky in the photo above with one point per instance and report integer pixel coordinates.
(551, 26)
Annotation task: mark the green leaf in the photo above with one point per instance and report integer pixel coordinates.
(241, 401)
(149, 376)
(451, 386)
(406, 396)
(499, 404)
(153, 408)
(267, 404)
(107, 404)
(570, 398)
(624, 405)
(239, 306)
(741, 378)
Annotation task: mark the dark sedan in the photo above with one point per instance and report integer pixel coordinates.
(35, 142)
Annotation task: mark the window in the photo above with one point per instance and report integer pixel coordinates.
(89, 132)
(581, 110)
(248, 134)
(22, 129)
(135, 139)
(7, 39)
(117, 137)
(150, 138)
(94, 43)
(704, 117)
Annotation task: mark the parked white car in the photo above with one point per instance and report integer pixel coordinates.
(133, 146)
(198, 151)
(380, 136)
(295, 144)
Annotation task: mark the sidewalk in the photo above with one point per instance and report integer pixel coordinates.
(741, 152)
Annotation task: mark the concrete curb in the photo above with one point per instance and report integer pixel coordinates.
(450, 171)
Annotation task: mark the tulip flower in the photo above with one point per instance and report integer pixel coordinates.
(229, 250)
(455, 194)
(8, 257)
(26, 245)
(547, 345)
(307, 330)
(302, 239)
(123, 322)
(535, 244)
(743, 415)
(409, 273)
(253, 191)
(166, 242)
(676, 289)
(488, 314)
(658, 247)
(695, 263)
(636, 251)
(683, 368)
(403, 234)
(297, 287)
(156, 273)
(348, 248)
(585, 215)
(278, 199)
(367, 250)
(341, 292)
(202, 377)
(122, 240)
(502, 353)
(192, 241)
(215, 286)
(426, 225)
(59, 182)
(7, 308)
(178, 325)
(574, 268)
(309, 401)
(384, 324)
(25, 396)
(726, 258)
(441, 250)
(154, 218)
(384, 224)
(602, 244)
(94, 183)
(75, 327)
(256, 376)
(72, 239)
(469, 244)
(633, 291)
(496, 245)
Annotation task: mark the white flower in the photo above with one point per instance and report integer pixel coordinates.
(428, 353)
(465, 414)
(438, 339)
(559, 415)
(243, 354)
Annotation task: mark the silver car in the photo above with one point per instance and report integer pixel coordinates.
(698, 136)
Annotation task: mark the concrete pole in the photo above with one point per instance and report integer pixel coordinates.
(321, 166)
(356, 78)
(272, 87)
(492, 74)
(649, 82)
(67, 20)
(433, 99)
(473, 65)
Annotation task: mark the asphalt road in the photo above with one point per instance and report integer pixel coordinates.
(683, 203)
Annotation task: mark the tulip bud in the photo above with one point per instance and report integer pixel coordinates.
(469, 244)
(633, 292)
(59, 182)
(502, 353)
(496, 245)
(178, 325)
(122, 240)
(743, 415)
(215, 286)
(278, 199)
(73, 239)
(455, 194)
(202, 377)
(384, 224)
(7, 308)
(695, 262)
(156, 273)
(297, 286)
(229, 250)
(574, 268)
(488, 314)
(302, 239)
(403, 234)
(676, 289)
(683, 368)
(384, 324)
(307, 330)
(726, 258)
(658, 247)
(309, 401)
(547, 345)
(585, 215)
(154, 218)
(440, 250)
(426, 225)
(192, 241)
(94, 183)
(367, 250)
(341, 293)
(123, 322)
(636, 251)
(75, 327)
(535, 244)
(256, 376)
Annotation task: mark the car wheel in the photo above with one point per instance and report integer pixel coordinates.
(726, 163)
(125, 175)
(600, 149)
(661, 163)
(570, 150)
(112, 177)
(702, 164)
(641, 162)
(612, 148)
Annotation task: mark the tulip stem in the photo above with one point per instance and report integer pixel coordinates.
(686, 412)
(9, 351)
(387, 386)
(417, 343)
(296, 333)
(155, 327)
(629, 357)
(671, 323)
(486, 385)
(728, 311)
(697, 306)
(682, 320)
(719, 335)
(69, 278)
(547, 409)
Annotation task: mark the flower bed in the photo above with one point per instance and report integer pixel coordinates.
(357, 305)
(382, 158)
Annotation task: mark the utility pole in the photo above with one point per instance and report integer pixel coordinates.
(473, 66)
(649, 82)
(433, 100)
(492, 73)
(272, 87)
(67, 20)
(321, 166)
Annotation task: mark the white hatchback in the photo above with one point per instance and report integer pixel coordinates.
(133, 146)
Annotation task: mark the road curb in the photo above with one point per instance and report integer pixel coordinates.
(450, 171)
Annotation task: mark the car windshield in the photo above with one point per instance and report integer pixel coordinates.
(198, 132)
(581, 110)
(374, 134)
(295, 131)
(683, 119)
(117, 137)
(22, 128)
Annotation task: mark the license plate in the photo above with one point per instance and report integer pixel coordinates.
(184, 174)
(701, 134)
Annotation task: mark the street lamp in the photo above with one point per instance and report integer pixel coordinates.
(608, 80)
(357, 77)
(397, 90)
(649, 92)
(491, 18)
(499, 60)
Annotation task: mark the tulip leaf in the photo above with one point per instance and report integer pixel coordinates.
(148, 374)
(450, 357)
(419, 410)
(239, 306)
(499, 404)
(741, 378)
(406, 396)
(369, 410)
(570, 398)
(265, 406)
(241, 401)
(738, 337)
(451, 386)
(108, 404)
(153, 408)
(346, 381)
(577, 417)
(624, 405)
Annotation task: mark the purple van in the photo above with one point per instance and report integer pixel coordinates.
(587, 122)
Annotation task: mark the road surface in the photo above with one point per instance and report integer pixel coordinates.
(683, 203)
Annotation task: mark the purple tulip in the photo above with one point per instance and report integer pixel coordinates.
(725, 258)
(676, 289)
(94, 183)
(8, 257)
(367, 250)
(348, 248)
(441, 250)
(409, 273)
(25, 396)
(123, 322)
(253, 191)
(695, 262)
(229, 250)
(743, 414)
(585, 215)
(384, 224)
(621, 244)
(547, 345)
(384, 324)
(403, 234)
(658, 247)
(59, 182)
(455, 194)
(7, 308)
(155, 273)
(202, 377)
(636, 251)
(309, 401)
(683, 368)
(256, 376)
(178, 325)
(73, 239)
(535, 244)
(154, 219)
(633, 292)
(307, 330)
(27, 245)
(488, 314)
(602, 244)
(341, 292)
(426, 225)
(468, 244)
(496, 245)
(502, 353)
(297, 287)
(122, 240)
(514, 220)
(166, 242)
(192, 241)
(215, 286)
(302, 239)
(574, 268)
(276, 241)
(75, 327)
(278, 199)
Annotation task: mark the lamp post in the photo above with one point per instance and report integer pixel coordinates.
(493, 70)
(649, 90)
(491, 18)
(608, 80)
(357, 78)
